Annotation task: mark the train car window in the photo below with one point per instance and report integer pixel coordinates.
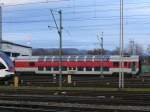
(80, 69)
(72, 58)
(7, 60)
(105, 69)
(97, 58)
(89, 58)
(41, 58)
(40, 68)
(48, 68)
(81, 58)
(15, 54)
(56, 58)
(129, 64)
(102, 58)
(134, 63)
(64, 58)
(116, 64)
(8, 53)
(2, 66)
(97, 68)
(56, 68)
(125, 63)
(88, 69)
(31, 64)
(49, 58)
(64, 68)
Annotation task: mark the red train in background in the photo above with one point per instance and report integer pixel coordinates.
(77, 65)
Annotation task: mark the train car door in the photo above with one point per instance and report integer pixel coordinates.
(133, 67)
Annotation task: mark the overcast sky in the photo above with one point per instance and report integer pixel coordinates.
(83, 20)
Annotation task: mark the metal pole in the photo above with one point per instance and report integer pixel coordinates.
(60, 50)
(120, 49)
(122, 44)
(102, 54)
(0, 27)
(121, 72)
(59, 29)
(133, 48)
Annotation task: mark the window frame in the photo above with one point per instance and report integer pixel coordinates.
(116, 64)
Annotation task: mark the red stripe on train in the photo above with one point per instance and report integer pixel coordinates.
(109, 64)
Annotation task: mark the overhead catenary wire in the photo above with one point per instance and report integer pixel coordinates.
(79, 19)
(76, 6)
(128, 17)
(137, 16)
(79, 11)
(32, 3)
(81, 27)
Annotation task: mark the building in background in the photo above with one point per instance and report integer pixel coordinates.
(14, 50)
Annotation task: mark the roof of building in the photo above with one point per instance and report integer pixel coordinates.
(8, 42)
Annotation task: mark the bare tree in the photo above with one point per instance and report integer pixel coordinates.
(130, 48)
(148, 49)
(139, 49)
(134, 48)
(97, 52)
(116, 51)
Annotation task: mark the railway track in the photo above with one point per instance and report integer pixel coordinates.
(89, 81)
(58, 102)
(139, 100)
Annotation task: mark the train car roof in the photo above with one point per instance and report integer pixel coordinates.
(74, 57)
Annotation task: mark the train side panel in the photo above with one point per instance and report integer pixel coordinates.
(76, 65)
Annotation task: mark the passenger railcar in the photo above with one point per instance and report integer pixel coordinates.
(77, 65)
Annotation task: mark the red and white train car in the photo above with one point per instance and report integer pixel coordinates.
(77, 65)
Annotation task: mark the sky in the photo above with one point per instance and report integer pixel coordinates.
(26, 22)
